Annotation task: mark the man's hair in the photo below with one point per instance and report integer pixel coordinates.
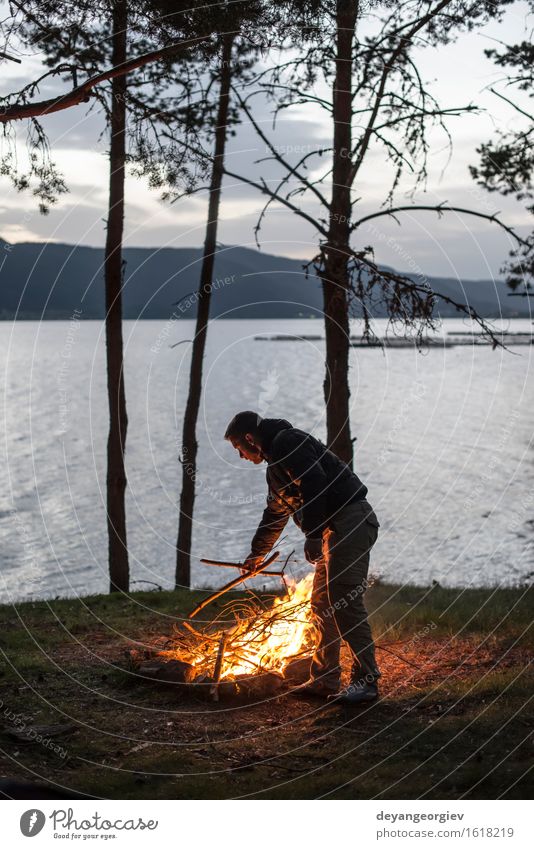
(242, 423)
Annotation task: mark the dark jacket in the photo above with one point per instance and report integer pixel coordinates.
(306, 481)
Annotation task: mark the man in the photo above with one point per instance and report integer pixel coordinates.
(327, 501)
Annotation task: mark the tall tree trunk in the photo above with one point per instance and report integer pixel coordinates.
(116, 475)
(189, 440)
(335, 256)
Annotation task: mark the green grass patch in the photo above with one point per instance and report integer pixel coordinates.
(458, 725)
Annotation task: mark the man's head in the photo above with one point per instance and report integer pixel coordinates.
(243, 433)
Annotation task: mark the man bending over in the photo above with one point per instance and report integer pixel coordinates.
(328, 502)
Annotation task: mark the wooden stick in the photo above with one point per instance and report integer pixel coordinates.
(214, 690)
(236, 566)
(231, 584)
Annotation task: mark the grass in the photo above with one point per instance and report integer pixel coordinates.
(454, 721)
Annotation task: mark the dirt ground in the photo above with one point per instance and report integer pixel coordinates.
(455, 716)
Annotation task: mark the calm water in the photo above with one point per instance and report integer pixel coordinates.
(444, 443)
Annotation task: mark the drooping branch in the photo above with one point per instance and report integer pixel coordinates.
(439, 209)
(84, 92)
(406, 300)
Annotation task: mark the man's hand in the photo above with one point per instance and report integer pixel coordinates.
(251, 564)
(313, 549)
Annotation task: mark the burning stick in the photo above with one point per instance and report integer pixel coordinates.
(237, 566)
(231, 584)
(249, 640)
(214, 689)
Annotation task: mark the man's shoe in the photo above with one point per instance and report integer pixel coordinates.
(358, 693)
(314, 687)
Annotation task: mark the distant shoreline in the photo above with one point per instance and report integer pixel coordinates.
(67, 317)
(48, 281)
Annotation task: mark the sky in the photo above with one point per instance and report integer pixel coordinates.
(455, 246)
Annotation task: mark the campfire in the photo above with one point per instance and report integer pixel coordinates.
(253, 647)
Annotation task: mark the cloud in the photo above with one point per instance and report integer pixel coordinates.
(458, 73)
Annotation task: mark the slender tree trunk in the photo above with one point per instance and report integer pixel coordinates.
(116, 475)
(334, 273)
(189, 440)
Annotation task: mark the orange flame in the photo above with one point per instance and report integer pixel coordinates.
(265, 641)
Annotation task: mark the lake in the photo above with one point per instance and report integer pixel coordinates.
(444, 444)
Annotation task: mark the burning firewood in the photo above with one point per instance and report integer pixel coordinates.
(171, 671)
(263, 648)
(297, 670)
(259, 686)
(232, 584)
(214, 691)
(263, 638)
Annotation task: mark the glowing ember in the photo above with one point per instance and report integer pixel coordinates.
(263, 638)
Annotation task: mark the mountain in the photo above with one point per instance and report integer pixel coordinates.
(51, 280)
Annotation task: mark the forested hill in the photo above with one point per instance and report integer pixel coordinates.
(52, 280)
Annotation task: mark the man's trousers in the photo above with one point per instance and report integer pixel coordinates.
(341, 578)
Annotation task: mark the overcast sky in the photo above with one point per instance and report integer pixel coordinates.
(455, 246)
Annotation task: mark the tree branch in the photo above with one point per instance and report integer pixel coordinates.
(388, 66)
(262, 187)
(83, 92)
(439, 209)
(421, 295)
(11, 58)
(277, 156)
(512, 104)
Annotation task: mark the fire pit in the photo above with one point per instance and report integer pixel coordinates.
(253, 649)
